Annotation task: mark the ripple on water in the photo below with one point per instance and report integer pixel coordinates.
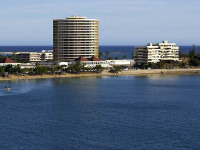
(155, 112)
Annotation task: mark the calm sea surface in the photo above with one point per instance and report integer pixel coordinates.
(128, 112)
(115, 51)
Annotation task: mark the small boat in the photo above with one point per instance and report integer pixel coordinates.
(7, 88)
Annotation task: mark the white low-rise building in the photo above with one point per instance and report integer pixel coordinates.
(92, 62)
(8, 61)
(154, 52)
(27, 65)
(50, 63)
(65, 64)
(123, 62)
(44, 55)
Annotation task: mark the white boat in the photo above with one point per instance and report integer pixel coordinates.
(7, 88)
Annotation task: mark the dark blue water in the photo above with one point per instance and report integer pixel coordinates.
(149, 112)
(115, 51)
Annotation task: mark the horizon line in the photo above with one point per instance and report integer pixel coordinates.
(99, 45)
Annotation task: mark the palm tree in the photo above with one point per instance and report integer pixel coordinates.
(124, 57)
(110, 58)
(192, 52)
(107, 54)
(1, 57)
(100, 55)
(132, 55)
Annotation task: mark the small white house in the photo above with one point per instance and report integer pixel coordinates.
(92, 62)
(65, 64)
(26, 65)
(51, 63)
(123, 62)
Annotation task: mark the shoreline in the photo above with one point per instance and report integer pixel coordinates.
(105, 73)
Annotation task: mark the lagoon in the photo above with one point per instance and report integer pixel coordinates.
(105, 112)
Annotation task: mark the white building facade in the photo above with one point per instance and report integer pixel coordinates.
(91, 62)
(123, 62)
(154, 52)
(45, 55)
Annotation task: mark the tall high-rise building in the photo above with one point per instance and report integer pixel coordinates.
(74, 37)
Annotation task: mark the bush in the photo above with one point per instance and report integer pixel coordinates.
(2, 70)
(152, 65)
(195, 62)
(115, 69)
(76, 68)
(98, 68)
(39, 70)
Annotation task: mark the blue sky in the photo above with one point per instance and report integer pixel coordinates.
(122, 22)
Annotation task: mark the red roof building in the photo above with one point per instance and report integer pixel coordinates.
(7, 60)
(81, 58)
(93, 58)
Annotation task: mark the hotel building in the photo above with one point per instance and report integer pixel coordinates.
(74, 37)
(154, 52)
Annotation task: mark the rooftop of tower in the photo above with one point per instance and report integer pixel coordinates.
(76, 17)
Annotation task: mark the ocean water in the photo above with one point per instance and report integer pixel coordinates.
(119, 112)
(115, 51)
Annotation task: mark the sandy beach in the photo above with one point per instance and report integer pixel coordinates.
(105, 73)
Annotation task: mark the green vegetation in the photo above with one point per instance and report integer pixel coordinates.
(100, 55)
(10, 56)
(192, 59)
(1, 57)
(132, 55)
(107, 54)
(110, 58)
(116, 58)
(163, 64)
(98, 68)
(39, 70)
(2, 70)
(10, 69)
(78, 67)
(115, 69)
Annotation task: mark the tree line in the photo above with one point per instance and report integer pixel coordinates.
(108, 57)
(40, 70)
